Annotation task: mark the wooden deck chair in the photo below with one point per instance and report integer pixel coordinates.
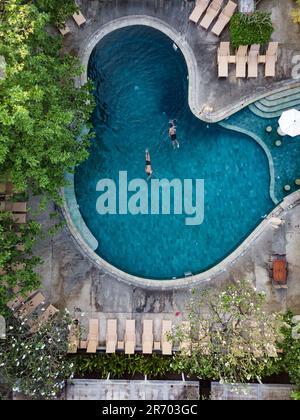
(223, 59)
(6, 188)
(253, 60)
(185, 345)
(64, 30)
(198, 11)
(18, 299)
(279, 272)
(30, 305)
(49, 313)
(73, 338)
(271, 59)
(166, 345)
(211, 13)
(111, 335)
(224, 18)
(147, 338)
(130, 338)
(241, 61)
(93, 336)
(79, 18)
(19, 218)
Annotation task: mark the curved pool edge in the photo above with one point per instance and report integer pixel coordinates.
(197, 108)
(265, 149)
(186, 282)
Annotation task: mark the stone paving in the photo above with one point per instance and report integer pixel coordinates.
(71, 280)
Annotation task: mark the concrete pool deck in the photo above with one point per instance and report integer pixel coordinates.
(211, 99)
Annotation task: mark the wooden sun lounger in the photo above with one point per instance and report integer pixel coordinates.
(211, 13)
(253, 60)
(166, 345)
(241, 61)
(279, 272)
(111, 336)
(185, 345)
(30, 305)
(147, 338)
(130, 338)
(43, 318)
(18, 300)
(73, 338)
(64, 30)
(79, 18)
(19, 218)
(20, 207)
(223, 59)
(271, 59)
(198, 11)
(93, 336)
(224, 18)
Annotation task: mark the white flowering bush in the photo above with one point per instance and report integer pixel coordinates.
(231, 338)
(36, 364)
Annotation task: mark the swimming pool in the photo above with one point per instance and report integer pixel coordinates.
(140, 84)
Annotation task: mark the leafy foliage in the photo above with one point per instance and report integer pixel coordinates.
(42, 113)
(232, 339)
(120, 365)
(248, 29)
(36, 364)
(58, 10)
(290, 346)
(17, 264)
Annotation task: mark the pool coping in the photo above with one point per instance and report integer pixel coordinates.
(197, 108)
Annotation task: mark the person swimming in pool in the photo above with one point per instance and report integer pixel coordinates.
(148, 167)
(173, 135)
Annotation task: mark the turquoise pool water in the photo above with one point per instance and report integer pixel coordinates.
(141, 83)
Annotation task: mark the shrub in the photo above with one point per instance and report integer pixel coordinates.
(35, 364)
(255, 28)
(119, 365)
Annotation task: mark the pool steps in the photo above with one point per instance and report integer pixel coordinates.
(273, 105)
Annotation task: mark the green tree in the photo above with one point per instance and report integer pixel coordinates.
(36, 364)
(42, 113)
(17, 264)
(231, 338)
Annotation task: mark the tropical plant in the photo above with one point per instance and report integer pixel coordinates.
(42, 113)
(248, 29)
(17, 264)
(232, 339)
(35, 363)
(120, 365)
(295, 13)
(290, 346)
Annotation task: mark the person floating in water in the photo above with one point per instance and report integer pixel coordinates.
(173, 135)
(148, 167)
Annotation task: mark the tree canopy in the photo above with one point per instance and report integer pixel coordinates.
(42, 113)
